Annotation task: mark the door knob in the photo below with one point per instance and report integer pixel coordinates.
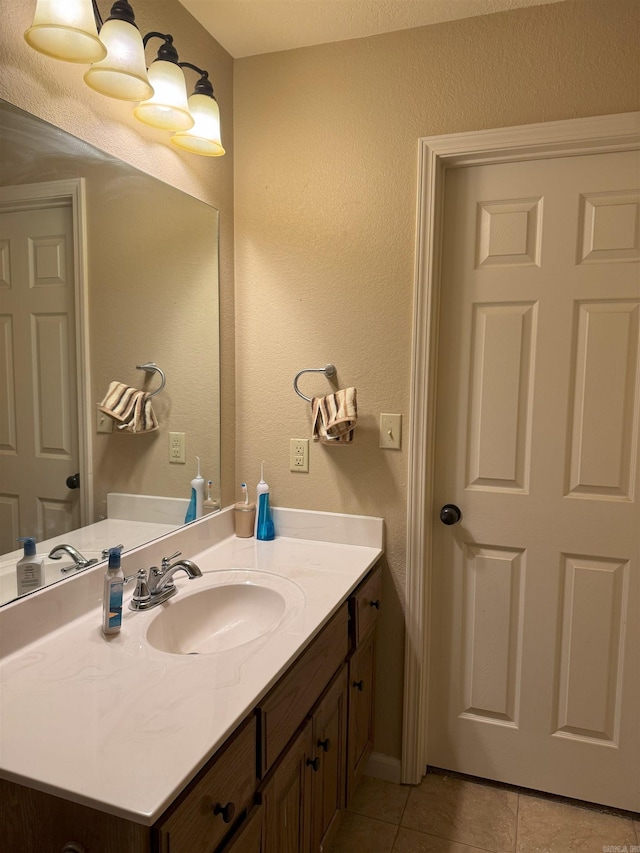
(73, 482)
(450, 514)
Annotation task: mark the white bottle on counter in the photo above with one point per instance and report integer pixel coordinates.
(112, 595)
(29, 568)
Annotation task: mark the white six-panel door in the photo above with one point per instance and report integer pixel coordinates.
(535, 664)
(38, 403)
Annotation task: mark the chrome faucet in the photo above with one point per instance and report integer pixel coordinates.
(79, 562)
(157, 586)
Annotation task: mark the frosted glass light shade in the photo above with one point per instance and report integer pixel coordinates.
(167, 109)
(122, 74)
(204, 136)
(66, 29)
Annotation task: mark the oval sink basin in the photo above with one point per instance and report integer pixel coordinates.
(216, 619)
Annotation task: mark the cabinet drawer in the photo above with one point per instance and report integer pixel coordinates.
(365, 605)
(217, 799)
(285, 707)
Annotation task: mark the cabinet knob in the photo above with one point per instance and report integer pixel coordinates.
(324, 744)
(227, 811)
(375, 604)
(359, 685)
(73, 847)
(313, 762)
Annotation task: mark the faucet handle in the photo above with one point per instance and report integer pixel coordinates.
(141, 592)
(166, 561)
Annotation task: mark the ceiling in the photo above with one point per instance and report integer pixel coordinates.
(249, 27)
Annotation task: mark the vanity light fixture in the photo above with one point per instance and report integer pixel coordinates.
(122, 74)
(167, 108)
(67, 30)
(73, 30)
(204, 137)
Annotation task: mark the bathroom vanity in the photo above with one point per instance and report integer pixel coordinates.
(166, 744)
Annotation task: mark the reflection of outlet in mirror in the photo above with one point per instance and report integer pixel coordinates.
(103, 422)
(299, 454)
(390, 431)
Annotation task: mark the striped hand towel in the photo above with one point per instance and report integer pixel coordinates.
(130, 408)
(334, 417)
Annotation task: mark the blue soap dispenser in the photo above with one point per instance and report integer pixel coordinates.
(264, 527)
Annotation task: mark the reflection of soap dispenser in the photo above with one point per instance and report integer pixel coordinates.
(264, 528)
(197, 497)
(112, 595)
(29, 568)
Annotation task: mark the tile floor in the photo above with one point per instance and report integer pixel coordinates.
(451, 815)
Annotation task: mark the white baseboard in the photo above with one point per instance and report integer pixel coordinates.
(384, 767)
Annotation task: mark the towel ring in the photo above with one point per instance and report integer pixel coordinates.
(151, 367)
(328, 370)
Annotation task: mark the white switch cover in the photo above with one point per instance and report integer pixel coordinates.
(390, 431)
(103, 422)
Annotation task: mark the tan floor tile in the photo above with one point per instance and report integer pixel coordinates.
(545, 826)
(409, 841)
(636, 823)
(477, 815)
(358, 834)
(379, 799)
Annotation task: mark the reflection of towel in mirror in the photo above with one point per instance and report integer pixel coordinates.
(130, 408)
(334, 417)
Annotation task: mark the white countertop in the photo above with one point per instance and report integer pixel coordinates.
(120, 726)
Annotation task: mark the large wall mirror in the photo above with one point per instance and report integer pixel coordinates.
(103, 268)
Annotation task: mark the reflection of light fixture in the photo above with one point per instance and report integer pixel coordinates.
(204, 136)
(167, 108)
(66, 29)
(122, 73)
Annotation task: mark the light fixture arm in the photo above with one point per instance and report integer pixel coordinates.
(121, 10)
(203, 85)
(166, 51)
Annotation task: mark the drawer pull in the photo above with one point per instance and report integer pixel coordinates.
(227, 811)
(375, 604)
(313, 762)
(324, 744)
(359, 685)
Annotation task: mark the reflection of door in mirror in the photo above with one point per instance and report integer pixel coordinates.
(39, 445)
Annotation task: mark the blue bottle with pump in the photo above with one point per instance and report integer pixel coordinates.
(265, 529)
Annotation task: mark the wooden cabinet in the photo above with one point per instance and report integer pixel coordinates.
(364, 607)
(215, 802)
(308, 742)
(361, 687)
(248, 838)
(329, 725)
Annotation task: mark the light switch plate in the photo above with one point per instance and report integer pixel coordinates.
(390, 431)
(103, 422)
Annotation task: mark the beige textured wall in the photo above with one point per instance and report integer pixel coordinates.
(325, 195)
(56, 92)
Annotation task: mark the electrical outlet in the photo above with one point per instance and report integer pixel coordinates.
(299, 454)
(177, 448)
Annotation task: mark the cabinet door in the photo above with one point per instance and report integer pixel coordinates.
(248, 839)
(361, 687)
(329, 762)
(286, 797)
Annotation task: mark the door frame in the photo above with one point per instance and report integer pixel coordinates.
(48, 194)
(598, 134)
